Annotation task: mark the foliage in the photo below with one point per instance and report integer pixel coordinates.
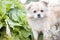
(13, 21)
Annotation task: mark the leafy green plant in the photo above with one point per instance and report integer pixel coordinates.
(13, 21)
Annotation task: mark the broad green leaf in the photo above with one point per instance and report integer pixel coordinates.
(15, 14)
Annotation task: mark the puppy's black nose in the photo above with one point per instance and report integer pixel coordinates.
(38, 15)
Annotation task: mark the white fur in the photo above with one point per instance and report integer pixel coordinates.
(42, 24)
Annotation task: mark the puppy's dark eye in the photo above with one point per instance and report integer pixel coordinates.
(42, 10)
(34, 11)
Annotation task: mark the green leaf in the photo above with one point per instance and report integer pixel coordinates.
(15, 14)
(0, 25)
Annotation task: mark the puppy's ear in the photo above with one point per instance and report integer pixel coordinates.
(28, 6)
(46, 3)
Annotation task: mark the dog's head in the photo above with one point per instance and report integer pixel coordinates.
(36, 9)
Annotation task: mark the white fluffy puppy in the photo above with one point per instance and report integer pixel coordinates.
(39, 19)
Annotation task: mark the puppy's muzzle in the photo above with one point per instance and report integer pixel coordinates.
(39, 15)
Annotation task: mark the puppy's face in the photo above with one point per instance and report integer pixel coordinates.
(37, 10)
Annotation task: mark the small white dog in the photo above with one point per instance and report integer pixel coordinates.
(39, 19)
